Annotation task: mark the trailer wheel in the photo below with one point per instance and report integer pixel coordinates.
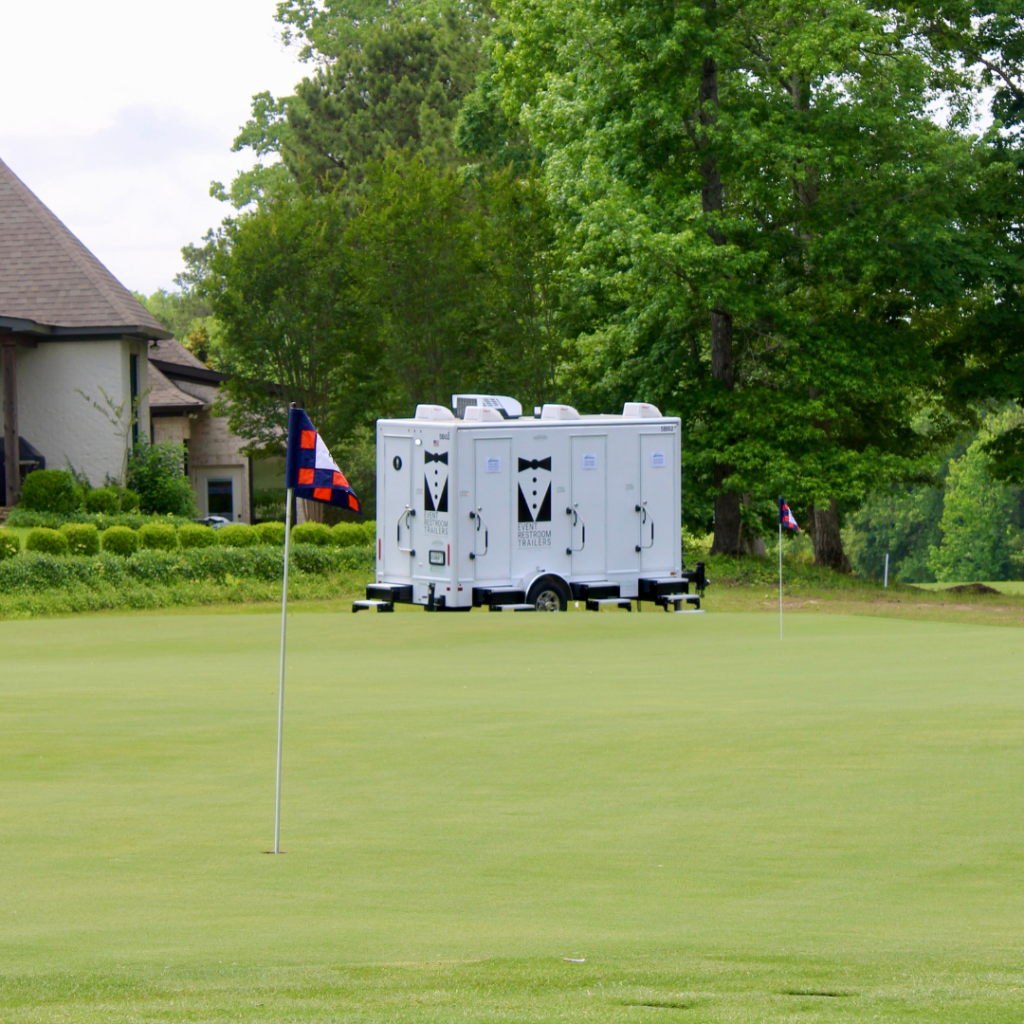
(549, 594)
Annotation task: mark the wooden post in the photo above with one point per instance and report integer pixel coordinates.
(12, 452)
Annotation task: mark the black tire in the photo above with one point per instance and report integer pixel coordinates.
(549, 594)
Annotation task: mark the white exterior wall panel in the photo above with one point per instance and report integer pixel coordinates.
(58, 421)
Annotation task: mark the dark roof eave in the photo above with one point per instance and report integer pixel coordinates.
(177, 371)
(56, 332)
(176, 410)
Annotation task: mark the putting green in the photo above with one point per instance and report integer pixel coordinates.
(723, 826)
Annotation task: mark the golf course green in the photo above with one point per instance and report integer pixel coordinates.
(580, 817)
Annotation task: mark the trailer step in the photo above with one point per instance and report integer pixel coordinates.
(594, 591)
(672, 602)
(595, 604)
(393, 593)
(488, 597)
(652, 589)
(381, 606)
(513, 608)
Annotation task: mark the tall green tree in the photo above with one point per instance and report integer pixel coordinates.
(284, 283)
(738, 193)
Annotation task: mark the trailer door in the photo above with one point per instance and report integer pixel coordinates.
(491, 523)
(587, 510)
(657, 494)
(397, 519)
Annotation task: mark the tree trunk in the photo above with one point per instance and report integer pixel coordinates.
(828, 542)
(727, 504)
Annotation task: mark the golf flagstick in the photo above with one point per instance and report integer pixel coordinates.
(280, 691)
(780, 570)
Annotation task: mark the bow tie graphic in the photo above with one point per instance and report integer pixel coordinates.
(435, 457)
(535, 464)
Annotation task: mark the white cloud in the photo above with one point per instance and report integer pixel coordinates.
(126, 111)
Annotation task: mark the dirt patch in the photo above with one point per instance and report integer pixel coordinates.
(970, 588)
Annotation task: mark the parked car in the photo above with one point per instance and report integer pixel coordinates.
(214, 522)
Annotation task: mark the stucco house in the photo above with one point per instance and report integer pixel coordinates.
(68, 325)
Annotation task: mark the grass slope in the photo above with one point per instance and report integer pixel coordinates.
(724, 826)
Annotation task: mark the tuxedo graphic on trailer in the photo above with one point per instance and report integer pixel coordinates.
(435, 479)
(535, 490)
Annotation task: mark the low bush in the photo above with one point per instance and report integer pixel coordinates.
(158, 537)
(349, 535)
(101, 520)
(50, 490)
(312, 533)
(46, 541)
(83, 538)
(104, 500)
(119, 540)
(157, 473)
(270, 533)
(37, 572)
(193, 535)
(9, 544)
(237, 535)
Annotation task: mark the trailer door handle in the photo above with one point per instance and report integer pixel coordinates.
(404, 517)
(480, 524)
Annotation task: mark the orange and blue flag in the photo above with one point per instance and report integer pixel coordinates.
(786, 518)
(311, 470)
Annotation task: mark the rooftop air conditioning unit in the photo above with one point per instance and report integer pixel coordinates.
(507, 408)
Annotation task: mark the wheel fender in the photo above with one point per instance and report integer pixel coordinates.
(554, 577)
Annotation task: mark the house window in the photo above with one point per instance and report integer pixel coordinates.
(133, 374)
(219, 500)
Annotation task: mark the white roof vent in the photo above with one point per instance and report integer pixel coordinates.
(433, 412)
(641, 410)
(559, 412)
(507, 408)
(478, 413)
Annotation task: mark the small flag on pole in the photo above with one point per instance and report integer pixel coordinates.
(311, 473)
(310, 470)
(786, 517)
(787, 520)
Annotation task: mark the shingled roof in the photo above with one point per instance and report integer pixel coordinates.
(50, 284)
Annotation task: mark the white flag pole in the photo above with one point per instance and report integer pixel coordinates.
(780, 568)
(280, 691)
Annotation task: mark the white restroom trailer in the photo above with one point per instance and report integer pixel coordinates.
(485, 507)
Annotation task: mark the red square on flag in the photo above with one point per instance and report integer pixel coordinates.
(308, 439)
(322, 493)
(305, 476)
(352, 503)
(339, 480)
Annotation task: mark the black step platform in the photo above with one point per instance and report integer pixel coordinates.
(391, 593)
(594, 591)
(492, 597)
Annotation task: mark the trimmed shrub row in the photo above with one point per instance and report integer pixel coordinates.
(37, 571)
(25, 517)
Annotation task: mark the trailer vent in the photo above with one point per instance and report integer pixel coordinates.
(641, 410)
(482, 412)
(433, 412)
(559, 412)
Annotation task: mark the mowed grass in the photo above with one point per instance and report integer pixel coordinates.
(723, 826)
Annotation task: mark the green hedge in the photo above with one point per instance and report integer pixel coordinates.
(9, 544)
(194, 535)
(83, 538)
(24, 517)
(50, 490)
(312, 533)
(270, 533)
(237, 535)
(35, 572)
(105, 500)
(158, 537)
(119, 540)
(45, 540)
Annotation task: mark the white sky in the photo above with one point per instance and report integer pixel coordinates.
(119, 113)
